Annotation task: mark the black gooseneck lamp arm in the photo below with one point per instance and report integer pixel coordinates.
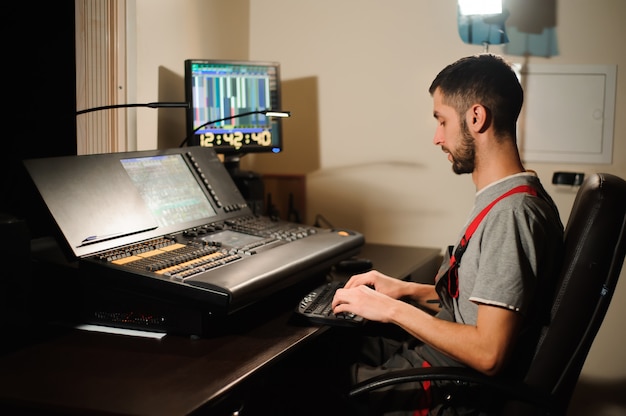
(150, 105)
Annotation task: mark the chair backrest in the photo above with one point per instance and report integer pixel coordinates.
(595, 245)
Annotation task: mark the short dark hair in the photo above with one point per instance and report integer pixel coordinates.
(485, 79)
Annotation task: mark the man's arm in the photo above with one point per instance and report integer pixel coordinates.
(484, 346)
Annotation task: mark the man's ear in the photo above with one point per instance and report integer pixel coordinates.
(478, 118)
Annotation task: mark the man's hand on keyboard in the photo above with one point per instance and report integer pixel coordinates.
(362, 300)
(358, 297)
(382, 283)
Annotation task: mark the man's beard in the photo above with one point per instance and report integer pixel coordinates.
(464, 158)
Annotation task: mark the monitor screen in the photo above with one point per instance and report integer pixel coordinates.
(219, 90)
(169, 189)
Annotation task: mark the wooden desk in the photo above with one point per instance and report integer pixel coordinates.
(69, 371)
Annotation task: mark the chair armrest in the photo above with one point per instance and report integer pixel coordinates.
(498, 385)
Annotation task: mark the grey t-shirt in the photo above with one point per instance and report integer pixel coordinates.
(516, 247)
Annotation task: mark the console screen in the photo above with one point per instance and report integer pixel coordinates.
(169, 189)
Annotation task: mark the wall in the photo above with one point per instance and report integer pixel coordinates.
(356, 74)
(166, 32)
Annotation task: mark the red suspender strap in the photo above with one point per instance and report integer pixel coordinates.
(476, 221)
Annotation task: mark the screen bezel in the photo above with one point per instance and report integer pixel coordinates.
(195, 139)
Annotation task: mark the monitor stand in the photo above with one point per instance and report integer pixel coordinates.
(249, 183)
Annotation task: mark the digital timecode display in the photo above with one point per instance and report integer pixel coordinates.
(237, 139)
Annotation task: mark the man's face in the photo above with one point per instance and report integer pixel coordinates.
(453, 136)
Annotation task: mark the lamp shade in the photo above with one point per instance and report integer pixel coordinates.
(483, 29)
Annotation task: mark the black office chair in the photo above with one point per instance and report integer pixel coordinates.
(595, 245)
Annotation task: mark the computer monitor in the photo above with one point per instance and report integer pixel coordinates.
(220, 89)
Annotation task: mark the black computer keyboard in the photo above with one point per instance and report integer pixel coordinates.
(316, 308)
